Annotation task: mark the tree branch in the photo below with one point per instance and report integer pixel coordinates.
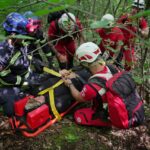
(106, 8)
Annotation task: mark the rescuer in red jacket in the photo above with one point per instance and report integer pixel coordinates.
(67, 29)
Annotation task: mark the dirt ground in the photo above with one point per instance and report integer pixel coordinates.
(66, 135)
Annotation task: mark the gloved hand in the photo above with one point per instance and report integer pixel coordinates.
(67, 74)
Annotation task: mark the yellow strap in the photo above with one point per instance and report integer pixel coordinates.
(50, 71)
(5, 72)
(18, 80)
(51, 98)
(51, 92)
(52, 104)
(14, 58)
(52, 87)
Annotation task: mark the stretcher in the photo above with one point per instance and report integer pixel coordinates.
(32, 123)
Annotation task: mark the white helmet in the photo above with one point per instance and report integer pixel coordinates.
(67, 22)
(88, 52)
(109, 19)
(139, 4)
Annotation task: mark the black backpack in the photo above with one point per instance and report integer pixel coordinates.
(125, 106)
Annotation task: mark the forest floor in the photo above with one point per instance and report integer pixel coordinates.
(66, 135)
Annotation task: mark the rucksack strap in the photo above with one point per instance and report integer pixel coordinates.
(98, 97)
(57, 27)
(112, 69)
(98, 80)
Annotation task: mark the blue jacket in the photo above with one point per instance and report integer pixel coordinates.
(14, 64)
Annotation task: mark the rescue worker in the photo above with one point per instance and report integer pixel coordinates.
(68, 29)
(41, 56)
(111, 39)
(130, 27)
(106, 85)
(14, 62)
(89, 57)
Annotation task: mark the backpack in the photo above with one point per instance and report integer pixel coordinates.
(125, 106)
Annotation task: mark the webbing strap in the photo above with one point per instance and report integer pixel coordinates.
(12, 61)
(5, 72)
(50, 71)
(52, 87)
(4, 83)
(18, 80)
(15, 57)
(52, 104)
(51, 98)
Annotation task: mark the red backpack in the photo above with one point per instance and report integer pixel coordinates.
(125, 106)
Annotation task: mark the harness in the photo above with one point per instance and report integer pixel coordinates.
(99, 80)
(50, 90)
(6, 71)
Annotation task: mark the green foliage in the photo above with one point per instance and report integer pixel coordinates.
(2, 37)
(99, 24)
(71, 134)
(58, 5)
(7, 3)
(46, 11)
(138, 79)
(23, 37)
(71, 137)
(141, 14)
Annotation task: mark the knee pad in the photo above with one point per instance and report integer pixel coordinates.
(84, 116)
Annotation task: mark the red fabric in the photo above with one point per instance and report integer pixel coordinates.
(38, 116)
(67, 45)
(84, 117)
(117, 111)
(20, 105)
(88, 93)
(54, 33)
(143, 23)
(110, 39)
(129, 33)
(129, 57)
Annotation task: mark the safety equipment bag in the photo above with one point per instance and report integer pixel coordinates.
(125, 106)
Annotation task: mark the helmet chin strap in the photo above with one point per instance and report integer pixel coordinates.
(85, 64)
(99, 66)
